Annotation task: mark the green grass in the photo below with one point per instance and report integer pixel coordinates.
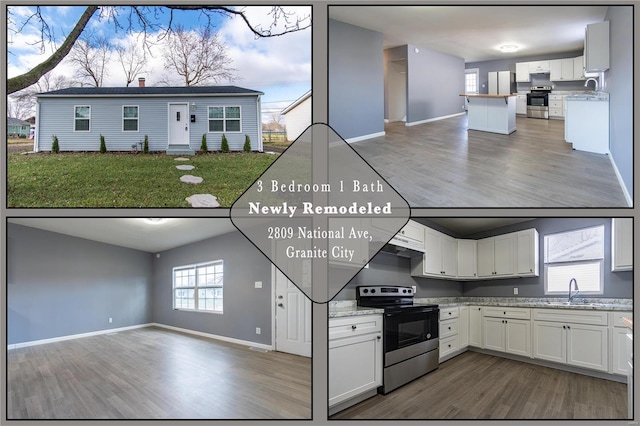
(127, 180)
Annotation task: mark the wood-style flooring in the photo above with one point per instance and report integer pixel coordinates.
(152, 373)
(442, 164)
(478, 386)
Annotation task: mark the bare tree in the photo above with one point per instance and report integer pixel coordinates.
(24, 101)
(133, 59)
(132, 18)
(198, 57)
(90, 56)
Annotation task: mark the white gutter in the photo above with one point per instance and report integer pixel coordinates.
(259, 113)
(36, 131)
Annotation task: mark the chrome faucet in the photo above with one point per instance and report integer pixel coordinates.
(586, 83)
(575, 283)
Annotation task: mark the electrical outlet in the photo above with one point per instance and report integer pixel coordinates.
(415, 288)
(258, 284)
(258, 331)
(110, 320)
(515, 290)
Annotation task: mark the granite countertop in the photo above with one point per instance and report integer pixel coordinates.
(349, 307)
(480, 95)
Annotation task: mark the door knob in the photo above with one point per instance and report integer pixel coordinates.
(279, 296)
(280, 305)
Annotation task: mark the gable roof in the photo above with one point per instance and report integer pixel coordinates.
(151, 91)
(16, 122)
(296, 102)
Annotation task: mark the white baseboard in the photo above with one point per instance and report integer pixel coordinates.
(74, 336)
(214, 336)
(429, 120)
(625, 191)
(365, 137)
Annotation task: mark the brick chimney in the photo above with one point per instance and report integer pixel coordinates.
(141, 82)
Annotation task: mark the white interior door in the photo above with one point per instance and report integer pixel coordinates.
(178, 124)
(293, 318)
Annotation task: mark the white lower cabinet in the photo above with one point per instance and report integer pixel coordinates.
(620, 353)
(355, 357)
(577, 338)
(448, 333)
(463, 327)
(475, 326)
(508, 335)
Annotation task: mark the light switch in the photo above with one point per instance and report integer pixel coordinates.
(258, 284)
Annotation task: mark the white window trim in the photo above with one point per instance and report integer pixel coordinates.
(599, 261)
(475, 71)
(224, 118)
(195, 288)
(76, 118)
(131, 119)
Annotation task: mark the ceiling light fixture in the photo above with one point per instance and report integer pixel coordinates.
(507, 48)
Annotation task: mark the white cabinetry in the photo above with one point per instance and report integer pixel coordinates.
(578, 338)
(440, 254)
(475, 326)
(522, 72)
(507, 330)
(622, 244)
(448, 332)
(596, 47)
(539, 67)
(561, 69)
(578, 68)
(463, 327)
(527, 253)
(413, 231)
(467, 259)
(556, 106)
(521, 104)
(620, 353)
(495, 256)
(587, 124)
(355, 358)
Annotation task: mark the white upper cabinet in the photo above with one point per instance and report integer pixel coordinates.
(495, 256)
(578, 68)
(440, 254)
(522, 72)
(414, 231)
(561, 69)
(622, 244)
(596, 47)
(527, 253)
(467, 259)
(539, 67)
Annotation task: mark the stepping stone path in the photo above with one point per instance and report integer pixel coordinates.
(191, 179)
(197, 200)
(203, 200)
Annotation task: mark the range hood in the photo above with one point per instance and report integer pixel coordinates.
(403, 247)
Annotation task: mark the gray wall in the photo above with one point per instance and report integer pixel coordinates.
(435, 81)
(616, 284)
(245, 307)
(619, 81)
(60, 285)
(509, 64)
(356, 80)
(392, 270)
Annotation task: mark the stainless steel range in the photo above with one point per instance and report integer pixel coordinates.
(538, 102)
(411, 343)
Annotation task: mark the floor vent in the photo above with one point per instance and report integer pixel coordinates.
(253, 348)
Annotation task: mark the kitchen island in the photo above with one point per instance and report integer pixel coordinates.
(491, 113)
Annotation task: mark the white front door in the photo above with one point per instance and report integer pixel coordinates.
(293, 317)
(178, 124)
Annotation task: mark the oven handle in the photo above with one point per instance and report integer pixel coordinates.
(413, 311)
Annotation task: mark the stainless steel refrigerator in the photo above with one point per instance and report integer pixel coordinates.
(502, 83)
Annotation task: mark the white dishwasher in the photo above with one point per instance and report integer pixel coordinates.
(586, 123)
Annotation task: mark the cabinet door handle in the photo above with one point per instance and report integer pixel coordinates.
(449, 328)
(569, 327)
(353, 327)
(379, 337)
(564, 327)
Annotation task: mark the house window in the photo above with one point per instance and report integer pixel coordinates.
(199, 287)
(130, 118)
(82, 118)
(471, 80)
(575, 254)
(224, 119)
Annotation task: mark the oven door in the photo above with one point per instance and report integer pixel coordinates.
(534, 99)
(409, 333)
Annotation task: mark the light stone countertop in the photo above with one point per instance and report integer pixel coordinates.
(349, 307)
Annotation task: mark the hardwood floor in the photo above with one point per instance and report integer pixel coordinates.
(478, 386)
(441, 164)
(153, 373)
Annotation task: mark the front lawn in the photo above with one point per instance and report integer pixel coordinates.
(127, 180)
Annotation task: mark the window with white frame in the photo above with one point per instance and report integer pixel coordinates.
(575, 254)
(199, 287)
(471, 80)
(82, 118)
(224, 119)
(130, 118)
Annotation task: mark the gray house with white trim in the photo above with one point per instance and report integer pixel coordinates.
(173, 118)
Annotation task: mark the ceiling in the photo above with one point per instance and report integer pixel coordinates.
(471, 225)
(135, 233)
(475, 32)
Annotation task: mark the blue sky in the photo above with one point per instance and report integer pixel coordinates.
(279, 66)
